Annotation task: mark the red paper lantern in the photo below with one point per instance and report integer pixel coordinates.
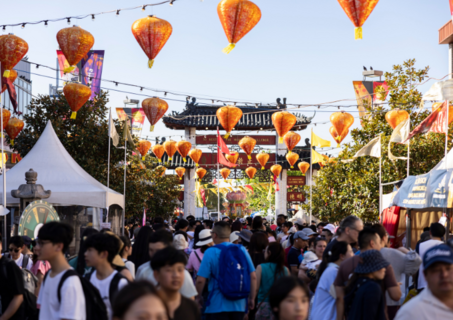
(143, 147)
(13, 128)
(396, 116)
(158, 151)
(154, 109)
(358, 11)
(75, 44)
(12, 50)
(283, 121)
(77, 95)
(170, 148)
(183, 148)
(228, 117)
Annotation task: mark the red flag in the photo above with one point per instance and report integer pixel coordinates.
(249, 187)
(203, 196)
(221, 144)
(215, 181)
(221, 159)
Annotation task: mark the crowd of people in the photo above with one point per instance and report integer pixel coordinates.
(232, 270)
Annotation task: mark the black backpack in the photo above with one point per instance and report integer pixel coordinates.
(95, 307)
(113, 289)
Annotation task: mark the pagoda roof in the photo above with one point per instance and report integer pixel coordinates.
(203, 117)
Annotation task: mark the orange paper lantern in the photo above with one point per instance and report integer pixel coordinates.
(151, 34)
(250, 172)
(77, 95)
(228, 117)
(358, 11)
(291, 140)
(201, 172)
(75, 44)
(233, 157)
(12, 78)
(225, 172)
(158, 151)
(338, 138)
(12, 50)
(303, 167)
(276, 169)
(183, 148)
(161, 170)
(170, 148)
(6, 117)
(395, 117)
(143, 147)
(13, 128)
(180, 171)
(247, 144)
(154, 109)
(262, 159)
(341, 121)
(292, 158)
(195, 154)
(283, 121)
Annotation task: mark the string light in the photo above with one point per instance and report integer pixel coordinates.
(69, 21)
(4, 28)
(92, 17)
(144, 7)
(45, 24)
(118, 12)
(171, 2)
(23, 25)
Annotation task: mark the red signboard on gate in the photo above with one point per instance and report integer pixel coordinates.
(260, 140)
(242, 162)
(295, 197)
(296, 181)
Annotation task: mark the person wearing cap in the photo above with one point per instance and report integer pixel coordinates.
(436, 300)
(300, 242)
(299, 224)
(244, 237)
(328, 231)
(195, 258)
(180, 243)
(287, 244)
(234, 237)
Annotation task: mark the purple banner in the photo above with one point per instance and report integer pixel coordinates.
(92, 65)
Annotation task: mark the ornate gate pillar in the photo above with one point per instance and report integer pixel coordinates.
(189, 181)
(280, 196)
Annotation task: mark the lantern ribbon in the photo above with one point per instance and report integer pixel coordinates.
(358, 33)
(69, 69)
(150, 65)
(277, 187)
(229, 48)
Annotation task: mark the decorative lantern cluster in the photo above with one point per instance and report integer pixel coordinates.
(12, 126)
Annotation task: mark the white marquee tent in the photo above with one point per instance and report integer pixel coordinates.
(58, 172)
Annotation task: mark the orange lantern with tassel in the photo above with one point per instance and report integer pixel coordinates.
(237, 17)
(292, 158)
(180, 171)
(158, 151)
(338, 138)
(233, 157)
(12, 50)
(183, 148)
(12, 78)
(283, 121)
(75, 44)
(77, 95)
(161, 170)
(151, 34)
(395, 117)
(358, 12)
(13, 128)
(143, 147)
(170, 148)
(250, 172)
(291, 140)
(276, 169)
(6, 117)
(195, 155)
(247, 144)
(341, 121)
(154, 109)
(201, 172)
(228, 117)
(303, 167)
(225, 172)
(262, 158)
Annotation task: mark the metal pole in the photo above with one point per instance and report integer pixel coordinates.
(409, 150)
(311, 174)
(108, 161)
(124, 192)
(446, 169)
(380, 176)
(5, 230)
(218, 175)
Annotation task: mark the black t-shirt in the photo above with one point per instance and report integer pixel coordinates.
(187, 310)
(11, 284)
(293, 257)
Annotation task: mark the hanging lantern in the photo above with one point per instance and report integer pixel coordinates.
(143, 147)
(341, 121)
(250, 172)
(225, 172)
(395, 117)
(180, 172)
(233, 157)
(358, 11)
(338, 138)
(75, 44)
(170, 148)
(161, 170)
(158, 151)
(195, 155)
(183, 148)
(12, 78)
(12, 50)
(201, 172)
(283, 122)
(291, 140)
(13, 128)
(151, 34)
(154, 109)
(303, 167)
(262, 158)
(247, 144)
(6, 117)
(228, 117)
(292, 158)
(237, 17)
(77, 95)
(276, 169)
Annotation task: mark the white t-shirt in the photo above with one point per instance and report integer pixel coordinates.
(72, 305)
(104, 288)
(425, 246)
(130, 266)
(20, 260)
(323, 307)
(425, 306)
(191, 239)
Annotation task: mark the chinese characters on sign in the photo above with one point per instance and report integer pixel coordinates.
(295, 197)
(296, 181)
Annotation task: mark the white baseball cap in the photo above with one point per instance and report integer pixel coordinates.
(330, 227)
(234, 236)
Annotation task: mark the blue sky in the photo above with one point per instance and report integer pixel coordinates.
(302, 50)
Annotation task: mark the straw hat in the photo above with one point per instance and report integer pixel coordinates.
(179, 242)
(204, 238)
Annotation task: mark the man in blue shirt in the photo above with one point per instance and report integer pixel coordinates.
(221, 308)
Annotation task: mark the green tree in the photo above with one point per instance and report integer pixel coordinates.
(86, 140)
(342, 189)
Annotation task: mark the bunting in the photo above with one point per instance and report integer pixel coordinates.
(399, 135)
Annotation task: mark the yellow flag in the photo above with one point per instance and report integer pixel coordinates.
(318, 142)
(316, 157)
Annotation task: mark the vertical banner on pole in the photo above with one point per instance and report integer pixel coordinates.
(92, 65)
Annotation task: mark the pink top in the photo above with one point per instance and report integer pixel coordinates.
(194, 263)
(42, 266)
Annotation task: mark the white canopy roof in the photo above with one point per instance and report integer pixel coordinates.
(58, 172)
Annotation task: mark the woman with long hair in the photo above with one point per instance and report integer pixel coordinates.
(258, 243)
(267, 273)
(140, 248)
(325, 298)
(78, 263)
(289, 299)
(125, 252)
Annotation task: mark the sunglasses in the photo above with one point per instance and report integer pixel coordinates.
(15, 250)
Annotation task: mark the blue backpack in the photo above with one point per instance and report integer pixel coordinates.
(234, 272)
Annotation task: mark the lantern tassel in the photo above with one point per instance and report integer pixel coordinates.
(227, 135)
(160, 161)
(262, 168)
(180, 178)
(228, 49)
(303, 174)
(151, 129)
(150, 63)
(69, 69)
(338, 145)
(6, 73)
(73, 115)
(169, 158)
(280, 140)
(184, 159)
(12, 142)
(143, 158)
(292, 167)
(358, 33)
(196, 164)
(249, 157)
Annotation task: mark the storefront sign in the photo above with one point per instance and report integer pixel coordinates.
(260, 140)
